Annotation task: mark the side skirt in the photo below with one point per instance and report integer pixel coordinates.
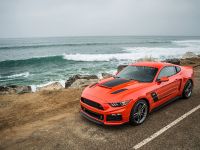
(165, 104)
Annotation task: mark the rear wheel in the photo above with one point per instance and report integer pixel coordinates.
(187, 91)
(139, 112)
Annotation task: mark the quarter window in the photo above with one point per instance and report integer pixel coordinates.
(167, 72)
(178, 69)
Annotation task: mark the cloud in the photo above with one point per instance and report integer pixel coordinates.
(28, 18)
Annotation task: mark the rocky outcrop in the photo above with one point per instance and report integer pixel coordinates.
(5, 90)
(120, 67)
(50, 87)
(81, 78)
(146, 58)
(173, 61)
(23, 89)
(189, 55)
(11, 89)
(81, 83)
(106, 75)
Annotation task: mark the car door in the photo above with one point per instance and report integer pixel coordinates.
(169, 89)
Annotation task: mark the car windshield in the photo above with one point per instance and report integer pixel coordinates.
(139, 73)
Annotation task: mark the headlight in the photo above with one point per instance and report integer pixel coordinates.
(119, 104)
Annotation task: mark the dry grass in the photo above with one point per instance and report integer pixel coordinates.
(19, 109)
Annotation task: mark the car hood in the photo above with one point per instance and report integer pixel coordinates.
(112, 89)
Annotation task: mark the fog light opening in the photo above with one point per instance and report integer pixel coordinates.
(114, 117)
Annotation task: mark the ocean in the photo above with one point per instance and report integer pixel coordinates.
(40, 61)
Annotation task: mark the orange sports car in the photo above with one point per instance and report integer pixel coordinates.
(134, 92)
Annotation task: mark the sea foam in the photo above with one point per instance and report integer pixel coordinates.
(134, 53)
(24, 74)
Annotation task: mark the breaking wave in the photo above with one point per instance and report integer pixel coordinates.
(24, 74)
(188, 43)
(133, 53)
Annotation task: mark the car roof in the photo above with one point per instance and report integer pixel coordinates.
(152, 64)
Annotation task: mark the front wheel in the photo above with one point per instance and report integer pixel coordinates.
(187, 91)
(139, 113)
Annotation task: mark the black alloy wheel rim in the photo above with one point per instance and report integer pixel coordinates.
(140, 113)
(188, 89)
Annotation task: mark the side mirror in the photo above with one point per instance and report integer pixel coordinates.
(163, 79)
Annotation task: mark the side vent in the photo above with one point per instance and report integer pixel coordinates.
(119, 91)
(154, 96)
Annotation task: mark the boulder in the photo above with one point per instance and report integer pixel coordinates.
(3, 88)
(72, 79)
(81, 83)
(50, 87)
(173, 61)
(23, 89)
(120, 67)
(189, 55)
(15, 89)
(106, 75)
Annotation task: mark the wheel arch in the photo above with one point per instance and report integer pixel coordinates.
(148, 103)
(145, 99)
(184, 86)
(190, 79)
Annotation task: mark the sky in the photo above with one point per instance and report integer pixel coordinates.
(44, 18)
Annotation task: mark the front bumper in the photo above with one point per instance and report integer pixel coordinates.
(91, 119)
(111, 116)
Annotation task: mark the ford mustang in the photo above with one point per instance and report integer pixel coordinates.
(134, 92)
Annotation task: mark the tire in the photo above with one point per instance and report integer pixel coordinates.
(187, 91)
(139, 112)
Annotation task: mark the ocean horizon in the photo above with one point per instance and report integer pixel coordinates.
(40, 61)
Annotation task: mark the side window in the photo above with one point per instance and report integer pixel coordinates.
(167, 72)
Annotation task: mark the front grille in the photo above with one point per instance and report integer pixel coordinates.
(93, 114)
(91, 103)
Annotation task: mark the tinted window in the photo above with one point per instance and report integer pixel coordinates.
(178, 69)
(167, 72)
(139, 73)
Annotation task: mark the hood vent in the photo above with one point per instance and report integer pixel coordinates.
(119, 91)
(114, 82)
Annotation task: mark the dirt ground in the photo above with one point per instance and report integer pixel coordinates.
(51, 120)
